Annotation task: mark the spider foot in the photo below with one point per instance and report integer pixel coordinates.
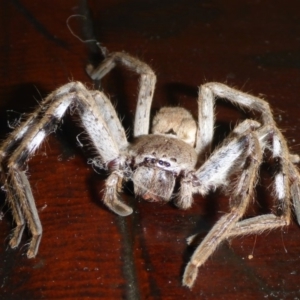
(120, 208)
(16, 236)
(189, 276)
(34, 246)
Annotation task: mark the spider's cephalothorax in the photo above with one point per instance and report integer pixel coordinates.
(172, 154)
(158, 160)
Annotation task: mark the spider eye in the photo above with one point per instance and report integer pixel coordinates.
(166, 164)
(161, 162)
(153, 160)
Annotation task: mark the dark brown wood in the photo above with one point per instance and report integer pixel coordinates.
(87, 252)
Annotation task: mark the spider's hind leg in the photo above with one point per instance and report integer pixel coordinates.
(286, 186)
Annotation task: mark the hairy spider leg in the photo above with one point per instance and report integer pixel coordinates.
(206, 100)
(286, 186)
(246, 151)
(146, 86)
(213, 173)
(19, 194)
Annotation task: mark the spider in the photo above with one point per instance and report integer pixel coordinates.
(172, 154)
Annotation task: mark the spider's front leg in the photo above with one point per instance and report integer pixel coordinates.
(242, 153)
(99, 120)
(15, 152)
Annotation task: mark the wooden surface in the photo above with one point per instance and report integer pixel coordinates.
(87, 252)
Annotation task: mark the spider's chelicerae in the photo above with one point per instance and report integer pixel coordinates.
(172, 153)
